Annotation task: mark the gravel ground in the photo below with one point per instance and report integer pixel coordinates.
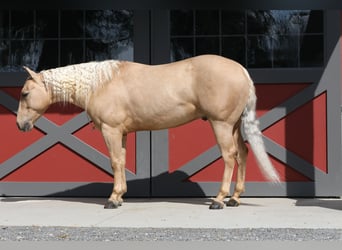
(35, 233)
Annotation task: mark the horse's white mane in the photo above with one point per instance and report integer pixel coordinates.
(79, 80)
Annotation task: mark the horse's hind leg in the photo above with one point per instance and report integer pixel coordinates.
(224, 137)
(241, 158)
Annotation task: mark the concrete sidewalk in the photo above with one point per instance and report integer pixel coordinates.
(184, 213)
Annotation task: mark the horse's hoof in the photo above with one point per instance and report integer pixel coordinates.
(112, 204)
(232, 203)
(216, 205)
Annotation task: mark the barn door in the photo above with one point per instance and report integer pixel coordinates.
(298, 107)
(64, 155)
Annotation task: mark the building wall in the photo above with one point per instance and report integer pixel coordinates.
(297, 110)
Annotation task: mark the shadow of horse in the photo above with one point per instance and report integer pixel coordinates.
(96, 193)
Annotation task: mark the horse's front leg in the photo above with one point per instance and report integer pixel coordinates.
(116, 144)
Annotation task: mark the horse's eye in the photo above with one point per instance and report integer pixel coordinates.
(24, 94)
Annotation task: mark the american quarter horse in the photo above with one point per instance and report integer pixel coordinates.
(121, 97)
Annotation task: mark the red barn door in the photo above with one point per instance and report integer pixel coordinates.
(62, 156)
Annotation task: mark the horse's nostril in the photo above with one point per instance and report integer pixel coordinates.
(26, 127)
(21, 128)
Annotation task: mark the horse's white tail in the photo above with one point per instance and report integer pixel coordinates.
(254, 137)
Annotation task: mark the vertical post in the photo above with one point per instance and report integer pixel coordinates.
(160, 53)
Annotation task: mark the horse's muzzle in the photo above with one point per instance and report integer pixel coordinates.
(25, 127)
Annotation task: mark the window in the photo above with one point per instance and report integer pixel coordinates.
(43, 39)
(256, 39)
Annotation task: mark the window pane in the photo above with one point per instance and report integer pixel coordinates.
(234, 48)
(207, 22)
(233, 22)
(43, 39)
(71, 52)
(109, 35)
(259, 52)
(311, 51)
(25, 52)
(273, 36)
(4, 23)
(182, 22)
(207, 45)
(49, 56)
(97, 50)
(4, 55)
(22, 24)
(72, 24)
(109, 25)
(47, 24)
(259, 22)
(285, 51)
(281, 22)
(314, 21)
(287, 22)
(181, 48)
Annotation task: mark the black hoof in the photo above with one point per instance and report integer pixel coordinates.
(112, 205)
(232, 203)
(216, 205)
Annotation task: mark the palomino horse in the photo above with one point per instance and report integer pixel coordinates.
(122, 97)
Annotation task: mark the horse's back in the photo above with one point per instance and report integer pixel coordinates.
(216, 86)
(161, 96)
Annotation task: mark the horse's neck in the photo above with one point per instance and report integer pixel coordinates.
(70, 93)
(65, 87)
(75, 83)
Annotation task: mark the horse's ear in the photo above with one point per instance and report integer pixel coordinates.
(33, 74)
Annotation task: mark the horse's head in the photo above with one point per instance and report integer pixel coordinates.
(34, 100)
